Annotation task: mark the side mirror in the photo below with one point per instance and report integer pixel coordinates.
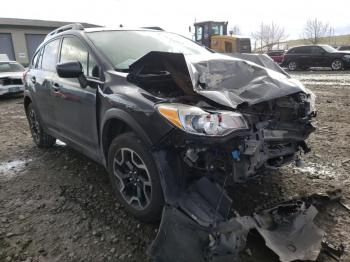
(69, 69)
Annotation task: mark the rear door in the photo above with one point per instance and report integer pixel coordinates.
(40, 78)
(75, 107)
(319, 56)
(304, 56)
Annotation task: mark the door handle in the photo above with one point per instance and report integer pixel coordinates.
(33, 80)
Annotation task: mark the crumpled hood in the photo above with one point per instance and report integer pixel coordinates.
(226, 80)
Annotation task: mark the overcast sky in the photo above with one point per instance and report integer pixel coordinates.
(178, 15)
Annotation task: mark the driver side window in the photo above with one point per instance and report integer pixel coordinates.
(73, 50)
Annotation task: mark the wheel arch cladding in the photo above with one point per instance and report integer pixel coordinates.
(117, 122)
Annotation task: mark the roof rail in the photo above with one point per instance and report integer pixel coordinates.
(153, 28)
(75, 26)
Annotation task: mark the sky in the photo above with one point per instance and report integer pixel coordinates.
(176, 16)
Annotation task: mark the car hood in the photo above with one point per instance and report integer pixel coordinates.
(11, 74)
(226, 80)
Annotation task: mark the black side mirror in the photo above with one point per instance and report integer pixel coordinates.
(69, 69)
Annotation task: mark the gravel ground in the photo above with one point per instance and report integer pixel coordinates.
(57, 205)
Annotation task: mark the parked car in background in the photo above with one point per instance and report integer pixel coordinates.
(11, 74)
(304, 57)
(276, 55)
(344, 48)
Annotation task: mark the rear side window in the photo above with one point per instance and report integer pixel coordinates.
(74, 50)
(49, 56)
(35, 60)
(317, 50)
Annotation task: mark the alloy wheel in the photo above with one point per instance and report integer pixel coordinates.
(337, 65)
(292, 66)
(133, 179)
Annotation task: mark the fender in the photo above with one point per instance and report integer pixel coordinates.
(119, 114)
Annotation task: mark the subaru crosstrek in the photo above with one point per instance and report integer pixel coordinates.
(160, 111)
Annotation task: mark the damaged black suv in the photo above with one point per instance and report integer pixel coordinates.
(161, 112)
(158, 110)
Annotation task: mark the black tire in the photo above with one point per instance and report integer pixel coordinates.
(337, 65)
(40, 137)
(126, 184)
(292, 66)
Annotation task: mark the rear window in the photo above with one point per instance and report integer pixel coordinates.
(50, 55)
(300, 50)
(275, 53)
(10, 67)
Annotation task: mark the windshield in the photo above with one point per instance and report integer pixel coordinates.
(10, 67)
(123, 48)
(329, 49)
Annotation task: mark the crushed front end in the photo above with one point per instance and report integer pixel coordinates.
(231, 119)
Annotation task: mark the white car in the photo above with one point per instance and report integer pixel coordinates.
(11, 74)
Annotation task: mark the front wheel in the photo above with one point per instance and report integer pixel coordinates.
(337, 65)
(292, 66)
(135, 178)
(40, 137)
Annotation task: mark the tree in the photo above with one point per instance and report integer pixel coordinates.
(315, 29)
(235, 30)
(269, 35)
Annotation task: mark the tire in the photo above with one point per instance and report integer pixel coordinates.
(135, 177)
(292, 66)
(40, 137)
(337, 65)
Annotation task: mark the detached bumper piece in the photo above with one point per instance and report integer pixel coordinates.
(197, 229)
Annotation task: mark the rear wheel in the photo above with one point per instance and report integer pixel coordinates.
(135, 177)
(40, 137)
(337, 65)
(292, 66)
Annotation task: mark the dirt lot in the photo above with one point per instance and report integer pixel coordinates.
(57, 205)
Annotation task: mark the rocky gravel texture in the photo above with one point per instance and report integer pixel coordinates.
(57, 205)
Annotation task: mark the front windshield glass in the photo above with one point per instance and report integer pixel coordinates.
(329, 49)
(123, 48)
(10, 67)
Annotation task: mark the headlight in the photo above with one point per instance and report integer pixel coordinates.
(194, 120)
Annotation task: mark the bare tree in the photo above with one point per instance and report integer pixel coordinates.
(269, 35)
(235, 30)
(315, 29)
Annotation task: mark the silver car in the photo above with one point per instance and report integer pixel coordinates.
(11, 74)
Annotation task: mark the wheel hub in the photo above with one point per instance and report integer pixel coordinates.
(133, 178)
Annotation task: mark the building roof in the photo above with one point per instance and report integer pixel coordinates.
(17, 22)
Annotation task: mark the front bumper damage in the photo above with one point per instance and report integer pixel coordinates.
(199, 223)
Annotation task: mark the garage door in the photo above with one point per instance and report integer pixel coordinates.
(33, 41)
(6, 46)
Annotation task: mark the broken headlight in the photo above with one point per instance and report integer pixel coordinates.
(195, 120)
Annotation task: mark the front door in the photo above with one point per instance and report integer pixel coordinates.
(75, 107)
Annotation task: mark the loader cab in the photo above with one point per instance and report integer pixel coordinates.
(205, 30)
